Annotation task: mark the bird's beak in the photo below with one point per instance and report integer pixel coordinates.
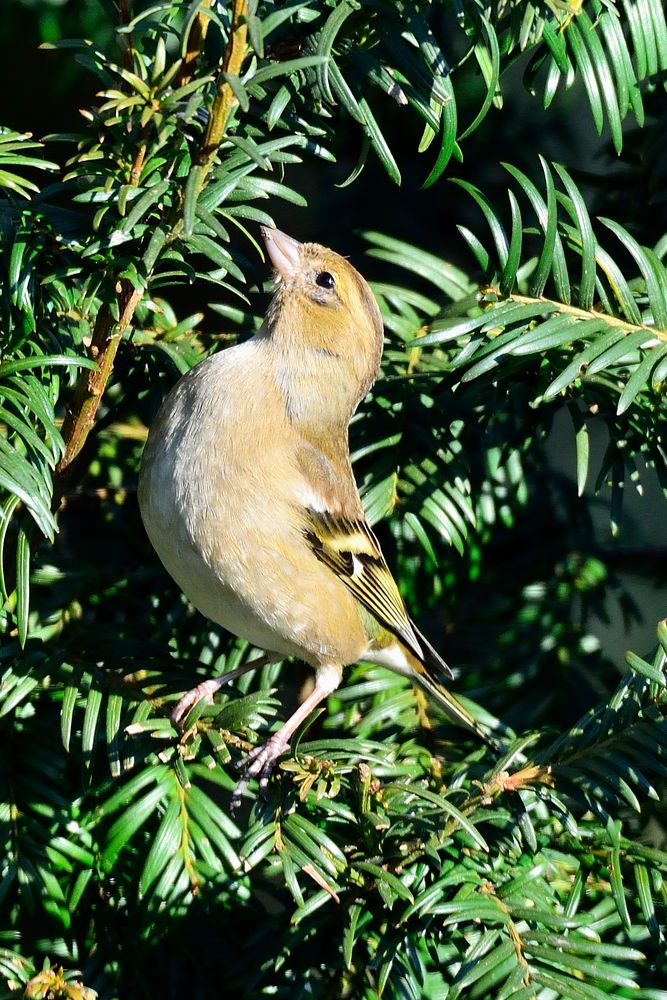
(284, 251)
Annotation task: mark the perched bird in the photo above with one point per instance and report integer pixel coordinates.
(247, 492)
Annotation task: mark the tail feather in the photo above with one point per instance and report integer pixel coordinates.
(428, 674)
(453, 708)
(431, 659)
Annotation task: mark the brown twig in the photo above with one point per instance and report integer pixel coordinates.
(196, 40)
(225, 101)
(138, 165)
(126, 41)
(90, 388)
(108, 331)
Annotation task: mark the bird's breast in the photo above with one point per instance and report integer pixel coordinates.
(221, 496)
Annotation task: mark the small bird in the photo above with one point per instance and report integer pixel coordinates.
(248, 496)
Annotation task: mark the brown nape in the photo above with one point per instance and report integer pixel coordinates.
(370, 306)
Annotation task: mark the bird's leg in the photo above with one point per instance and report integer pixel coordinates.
(211, 686)
(261, 761)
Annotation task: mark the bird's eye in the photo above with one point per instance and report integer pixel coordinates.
(325, 279)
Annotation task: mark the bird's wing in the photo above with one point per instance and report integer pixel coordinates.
(350, 549)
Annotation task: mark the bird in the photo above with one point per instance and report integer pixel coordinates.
(248, 496)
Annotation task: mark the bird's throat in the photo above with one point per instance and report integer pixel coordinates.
(319, 391)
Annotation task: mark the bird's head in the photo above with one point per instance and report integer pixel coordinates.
(322, 306)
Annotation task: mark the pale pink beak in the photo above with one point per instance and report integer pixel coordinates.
(284, 251)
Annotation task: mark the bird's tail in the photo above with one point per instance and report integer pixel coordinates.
(428, 673)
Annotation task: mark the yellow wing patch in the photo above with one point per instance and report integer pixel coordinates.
(351, 551)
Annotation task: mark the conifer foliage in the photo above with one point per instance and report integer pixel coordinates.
(393, 856)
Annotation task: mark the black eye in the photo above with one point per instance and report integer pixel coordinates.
(325, 279)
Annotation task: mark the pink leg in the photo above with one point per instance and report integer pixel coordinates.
(261, 761)
(210, 687)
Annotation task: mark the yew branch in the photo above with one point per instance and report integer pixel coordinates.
(224, 101)
(109, 331)
(90, 388)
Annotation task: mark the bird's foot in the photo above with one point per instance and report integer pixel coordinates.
(260, 763)
(206, 690)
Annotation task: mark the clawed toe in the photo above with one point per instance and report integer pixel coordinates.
(259, 763)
